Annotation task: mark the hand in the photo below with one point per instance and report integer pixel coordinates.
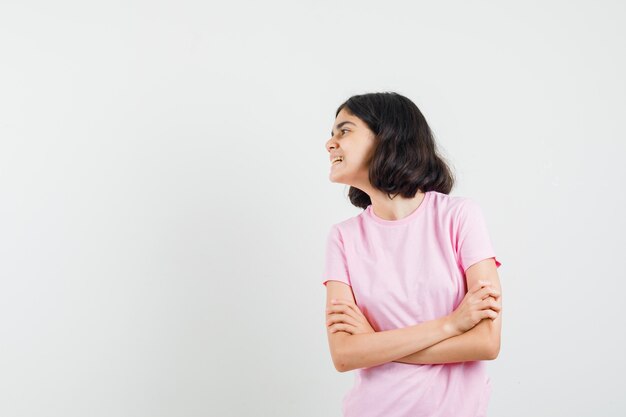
(346, 316)
(481, 302)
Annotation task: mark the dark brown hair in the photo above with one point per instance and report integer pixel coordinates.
(405, 157)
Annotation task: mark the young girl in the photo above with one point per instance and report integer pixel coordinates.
(413, 294)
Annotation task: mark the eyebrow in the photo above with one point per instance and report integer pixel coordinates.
(339, 126)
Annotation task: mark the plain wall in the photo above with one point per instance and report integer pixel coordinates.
(164, 195)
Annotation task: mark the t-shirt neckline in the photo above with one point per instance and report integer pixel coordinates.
(370, 213)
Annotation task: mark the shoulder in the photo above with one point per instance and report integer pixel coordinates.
(452, 205)
(347, 226)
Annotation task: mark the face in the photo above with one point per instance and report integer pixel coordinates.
(354, 142)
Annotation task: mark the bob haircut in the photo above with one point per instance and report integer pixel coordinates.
(405, 158)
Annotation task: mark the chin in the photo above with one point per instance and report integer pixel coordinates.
(335, 176)
(337, 180)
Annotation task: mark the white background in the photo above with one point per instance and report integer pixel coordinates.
(164, 195)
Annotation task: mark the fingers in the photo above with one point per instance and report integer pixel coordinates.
(341, 318)
(341, 310)
(340, 327)
(487, 291)
(488, 313)
(349, 304)
(490, 303)
(480, 284)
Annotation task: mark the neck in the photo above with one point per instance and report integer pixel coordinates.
(397, 208)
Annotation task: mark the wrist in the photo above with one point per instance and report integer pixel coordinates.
(448, 327)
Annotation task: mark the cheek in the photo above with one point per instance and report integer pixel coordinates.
(359, 162)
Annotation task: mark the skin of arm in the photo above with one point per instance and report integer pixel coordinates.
(482, 342)
(371, 349)
(365, 348)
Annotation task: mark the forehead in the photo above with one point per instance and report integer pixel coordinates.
(344, 119)
(344, 115)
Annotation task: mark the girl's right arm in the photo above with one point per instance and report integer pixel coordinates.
(352, 351)
(363, 350)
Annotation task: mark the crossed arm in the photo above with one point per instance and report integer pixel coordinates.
(430, 342)
(482, 342)
(474, 345)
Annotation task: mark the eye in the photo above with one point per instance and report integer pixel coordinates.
(343, 130)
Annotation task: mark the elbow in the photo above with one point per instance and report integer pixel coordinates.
(340, 367)
(340, 353)
(339, 360)
(493, 350)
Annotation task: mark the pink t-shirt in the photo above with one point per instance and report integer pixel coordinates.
(404, 272)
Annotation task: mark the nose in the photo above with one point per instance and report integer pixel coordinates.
(330, 144)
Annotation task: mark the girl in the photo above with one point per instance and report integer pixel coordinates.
(413, 294)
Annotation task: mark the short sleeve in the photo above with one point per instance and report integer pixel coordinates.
(335, 267)
(472, 240)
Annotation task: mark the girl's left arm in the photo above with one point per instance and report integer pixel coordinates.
(482, 342)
